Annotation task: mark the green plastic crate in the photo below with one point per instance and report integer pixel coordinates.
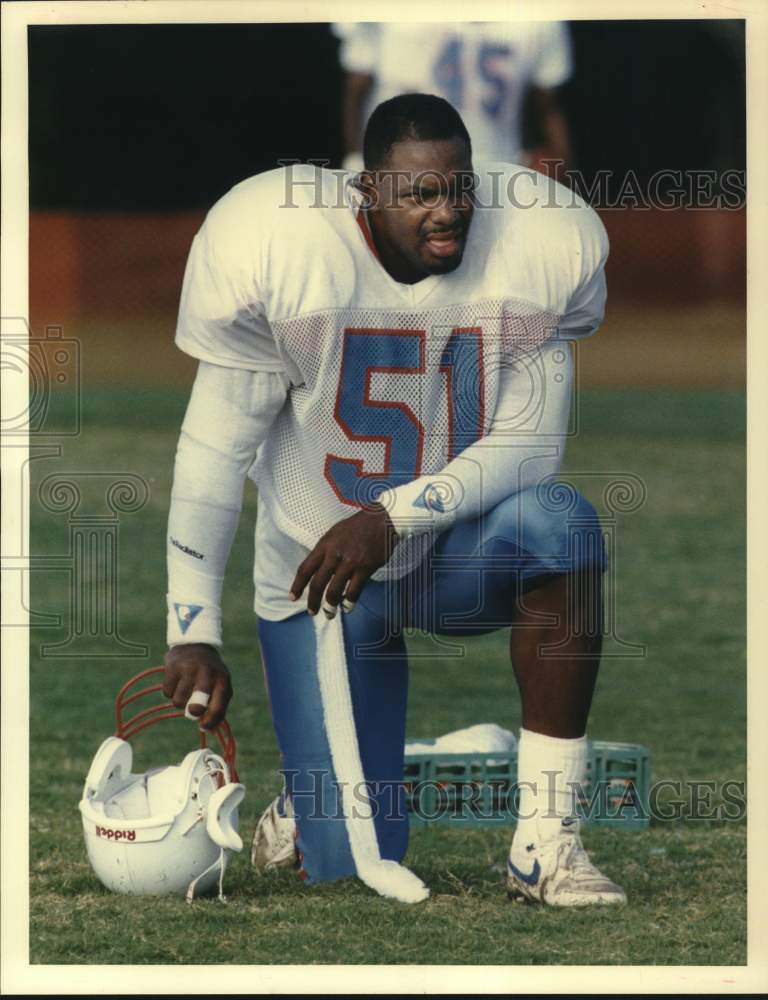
(479, 789)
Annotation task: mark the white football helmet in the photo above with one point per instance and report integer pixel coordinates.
(170, 830)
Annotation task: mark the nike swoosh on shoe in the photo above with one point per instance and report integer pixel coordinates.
(531, 878)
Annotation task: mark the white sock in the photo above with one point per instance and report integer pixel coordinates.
(546, 768)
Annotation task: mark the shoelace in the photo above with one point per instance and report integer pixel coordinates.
(575, 858)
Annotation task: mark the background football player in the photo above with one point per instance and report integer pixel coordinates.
(502, 77)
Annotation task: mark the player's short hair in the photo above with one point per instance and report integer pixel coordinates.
(410, 116)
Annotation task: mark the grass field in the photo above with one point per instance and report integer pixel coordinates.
(680, 569)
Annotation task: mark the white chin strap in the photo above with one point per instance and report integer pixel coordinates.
(388, 878)
(221, 861)
(218, 823)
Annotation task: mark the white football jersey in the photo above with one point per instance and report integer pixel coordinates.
(388, 381)
(483, 68)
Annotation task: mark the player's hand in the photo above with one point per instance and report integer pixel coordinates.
(198, 667)
(341, 563)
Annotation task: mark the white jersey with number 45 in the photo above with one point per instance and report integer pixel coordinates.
(389, 381)
(483, 68)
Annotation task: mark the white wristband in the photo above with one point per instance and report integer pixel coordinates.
(190, 622)
(426, 504)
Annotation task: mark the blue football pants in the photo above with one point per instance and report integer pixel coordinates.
(467, 585)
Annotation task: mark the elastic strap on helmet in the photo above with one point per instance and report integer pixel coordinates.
(222, 862)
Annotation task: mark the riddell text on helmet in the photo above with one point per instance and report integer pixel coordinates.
(102, 831)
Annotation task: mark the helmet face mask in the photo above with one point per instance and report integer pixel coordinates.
(170, 830)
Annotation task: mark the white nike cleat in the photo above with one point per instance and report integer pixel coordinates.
(559, 873)
(274, 840)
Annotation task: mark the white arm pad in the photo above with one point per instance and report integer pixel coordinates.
(524, 444)
(229, 414)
